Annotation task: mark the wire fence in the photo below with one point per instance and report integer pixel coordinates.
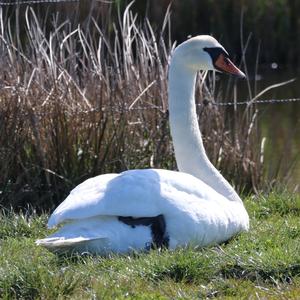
(204, 103)
(31, 2)
(265, 101)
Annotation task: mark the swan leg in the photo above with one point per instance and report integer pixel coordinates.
(160, 239)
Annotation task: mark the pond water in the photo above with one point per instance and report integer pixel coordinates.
(280, 123)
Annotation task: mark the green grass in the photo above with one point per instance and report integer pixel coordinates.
(263, 263)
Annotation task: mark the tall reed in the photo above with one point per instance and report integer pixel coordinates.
(77, 102)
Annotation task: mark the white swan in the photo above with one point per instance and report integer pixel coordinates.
(137, 209)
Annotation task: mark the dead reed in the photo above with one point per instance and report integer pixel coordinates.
(79, 102)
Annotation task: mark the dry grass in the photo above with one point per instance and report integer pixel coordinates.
(79, 102)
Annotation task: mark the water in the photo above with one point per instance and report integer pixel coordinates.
(280, 123)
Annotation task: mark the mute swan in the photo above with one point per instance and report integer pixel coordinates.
(139, 209)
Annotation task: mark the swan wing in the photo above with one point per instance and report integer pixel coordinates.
(135, 193)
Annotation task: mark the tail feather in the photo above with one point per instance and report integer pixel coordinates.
(101, 235)
(74, 245)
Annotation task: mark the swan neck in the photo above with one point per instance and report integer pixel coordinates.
(188, 145)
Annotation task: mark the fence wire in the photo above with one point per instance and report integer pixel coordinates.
(266, 101)
(206, 102)
(202, 104)
(30, 2)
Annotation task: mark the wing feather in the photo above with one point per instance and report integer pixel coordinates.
(136, 193)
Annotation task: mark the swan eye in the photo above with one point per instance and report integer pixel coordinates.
(215, 53)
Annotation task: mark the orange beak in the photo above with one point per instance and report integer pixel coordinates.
(224, 64)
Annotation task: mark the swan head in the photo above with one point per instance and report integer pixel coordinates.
(204, 52)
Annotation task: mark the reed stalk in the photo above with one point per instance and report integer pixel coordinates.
(80, 101)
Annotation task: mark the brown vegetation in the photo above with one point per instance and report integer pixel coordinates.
(79, 102)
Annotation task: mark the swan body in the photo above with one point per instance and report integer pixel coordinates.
(119, 213)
